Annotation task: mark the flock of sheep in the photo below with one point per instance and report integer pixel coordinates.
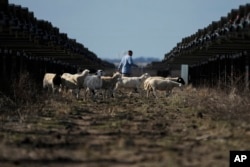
(108, 85)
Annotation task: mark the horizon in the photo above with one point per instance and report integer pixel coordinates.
(141, 61)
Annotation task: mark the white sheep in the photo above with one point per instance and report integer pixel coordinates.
(74, 81)
(134, 83)
(162, 84)
(92, 83)
(109, 82)
(51, 81)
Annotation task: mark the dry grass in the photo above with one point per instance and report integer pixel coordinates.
(193, 127)
(230, 104)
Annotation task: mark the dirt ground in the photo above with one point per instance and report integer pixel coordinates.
(190, 128)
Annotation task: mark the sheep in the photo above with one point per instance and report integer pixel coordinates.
(160, 83)
(93, 83)
(52, 81)
(131, 82)
(109, 82)
(74, 81)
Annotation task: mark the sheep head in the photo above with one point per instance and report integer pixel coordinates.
(99, 73)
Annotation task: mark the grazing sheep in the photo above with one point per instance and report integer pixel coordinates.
(131, 82)
(177, 79)
(109, 82)
(160, 83)
(74, 81)
(52, 81)
(93, 83)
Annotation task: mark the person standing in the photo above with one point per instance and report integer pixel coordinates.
(125, 66)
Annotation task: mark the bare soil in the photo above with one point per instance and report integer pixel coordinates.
(190, 128)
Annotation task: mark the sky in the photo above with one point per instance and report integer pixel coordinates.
(150, 28)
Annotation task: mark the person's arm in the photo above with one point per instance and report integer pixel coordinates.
(132, 63)
(120, 65)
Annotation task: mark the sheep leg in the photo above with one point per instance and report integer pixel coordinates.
(136, 90)
(112, 93)
(168, 92)
(77, 93)
(154, 92)
(85, 93)
(93, 93)
(139, 91)
(149, 90)
(53, 89)
(148, 93)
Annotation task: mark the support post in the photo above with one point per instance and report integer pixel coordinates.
(247, 72)
(232, 72)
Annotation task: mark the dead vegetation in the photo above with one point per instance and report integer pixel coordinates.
(193, 127)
